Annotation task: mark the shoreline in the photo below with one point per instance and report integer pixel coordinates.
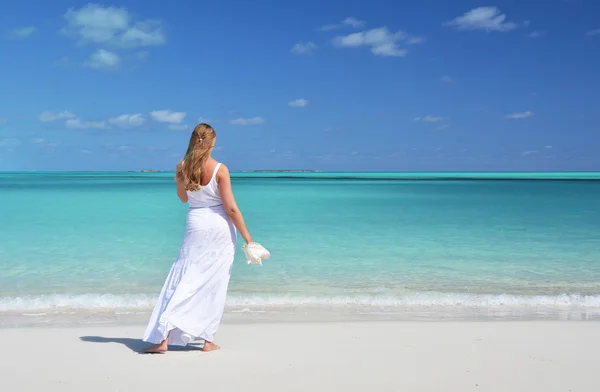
(252, 315)
(382, 356)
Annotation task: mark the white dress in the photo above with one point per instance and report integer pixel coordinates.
(192, 300)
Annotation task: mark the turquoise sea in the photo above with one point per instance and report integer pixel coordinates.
(90, 245)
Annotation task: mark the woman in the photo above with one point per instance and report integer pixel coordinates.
(192, 299)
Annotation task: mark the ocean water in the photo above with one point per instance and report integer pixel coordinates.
(434, 245)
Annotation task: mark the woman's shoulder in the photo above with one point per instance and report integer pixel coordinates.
(214, 165)
(222, 171)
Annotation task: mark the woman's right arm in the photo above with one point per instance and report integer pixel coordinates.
(181, 192)
(224, 182)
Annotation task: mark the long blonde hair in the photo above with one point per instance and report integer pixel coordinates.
(189, 170)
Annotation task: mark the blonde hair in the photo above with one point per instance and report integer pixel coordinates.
(189, 170)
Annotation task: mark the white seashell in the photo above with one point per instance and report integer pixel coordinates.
(255, 253)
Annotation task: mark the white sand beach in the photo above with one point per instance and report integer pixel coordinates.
(346, 356)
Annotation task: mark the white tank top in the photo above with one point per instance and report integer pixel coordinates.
(208, 195)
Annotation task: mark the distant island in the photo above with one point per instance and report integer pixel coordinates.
(243, 171)
(281, 171)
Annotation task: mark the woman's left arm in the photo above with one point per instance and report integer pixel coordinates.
(181, 192)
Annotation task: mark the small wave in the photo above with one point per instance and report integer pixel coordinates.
(144, 302)
(247, 310)
(425, 299)
(76, 301)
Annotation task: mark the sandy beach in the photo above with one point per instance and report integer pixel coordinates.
(349, 356)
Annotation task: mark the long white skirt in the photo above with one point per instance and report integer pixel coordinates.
(192, 300)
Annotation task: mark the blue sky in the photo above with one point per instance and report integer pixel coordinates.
(330, 85)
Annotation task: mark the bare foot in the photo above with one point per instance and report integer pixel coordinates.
(210, 346)
(157, 348)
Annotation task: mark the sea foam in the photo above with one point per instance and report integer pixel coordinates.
(137, 302)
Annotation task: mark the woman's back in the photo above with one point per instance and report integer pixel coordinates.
(208, 194)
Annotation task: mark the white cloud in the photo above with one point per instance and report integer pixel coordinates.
(3, 120)
(442, 127)
(303, 48)
(248, 121)
(447, 79)
(167, 116)
(22, 32)
(381, 40)
(73, 122)
(348, 22)
(127, 120)
(178, 127)
(103, 59)
(415, 40)
(77, 123)
(536, 34)
(298, 103)
(530, 152)
(45, 143)
(84, 151)
(49, 116)
(519, 116)
(112, 26)
(593, 32)
(353, 22)
(330, 27)
(548, 147)
(482, 18)
(206, 120)
(430, 119)
(10, 142)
